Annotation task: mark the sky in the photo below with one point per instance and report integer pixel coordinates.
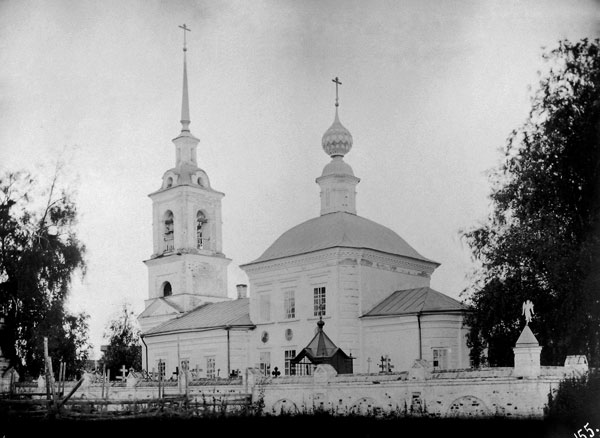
(430, 92)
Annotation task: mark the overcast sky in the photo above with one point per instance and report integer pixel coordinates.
(431, 90)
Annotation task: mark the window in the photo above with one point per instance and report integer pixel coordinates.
(167, 290)
(289, 304)
(289, 334)
(265, 363)
(169, 182)
(210, 366)
(265, 307)
(440, 358)
(162, 366)
(168, 231)
(264, 337)
(290, 368)
(319, 301)
(201, 237)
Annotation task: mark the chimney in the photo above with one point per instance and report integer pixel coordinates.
(242, 290)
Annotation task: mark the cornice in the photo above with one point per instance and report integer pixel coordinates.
(347, 256)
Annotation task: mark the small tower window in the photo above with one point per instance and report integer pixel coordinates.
(170, 182)
(167, 290)
(168, 231)
(200, 183)
(201, 230)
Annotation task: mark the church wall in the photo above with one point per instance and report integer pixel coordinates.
(378, 281)
(355, 280)
(302, 279)
(398, 337)
(395, 337)
(445, 331)
(348, 337)
(197, 348)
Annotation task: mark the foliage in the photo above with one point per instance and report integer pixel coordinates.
(123, 347)
(39, 254)
(541, 240)
(576, 400)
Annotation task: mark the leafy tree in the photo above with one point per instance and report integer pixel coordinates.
(39, 254)
(124, 346)
(541, 240)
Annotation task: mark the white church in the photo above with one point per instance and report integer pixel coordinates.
(338, 288)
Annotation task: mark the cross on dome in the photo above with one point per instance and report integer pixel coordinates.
(337, 140)
(337, 82)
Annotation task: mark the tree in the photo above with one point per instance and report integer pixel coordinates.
(39, 254)
(541, 240)
(124, 347)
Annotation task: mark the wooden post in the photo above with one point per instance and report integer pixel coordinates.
(61, 379)
(60, 371)
(64, 400)
(64, 377)
(107, 382)
(103, 380)
(159, 378)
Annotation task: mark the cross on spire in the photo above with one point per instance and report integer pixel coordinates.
(337, 82)
(185, 29)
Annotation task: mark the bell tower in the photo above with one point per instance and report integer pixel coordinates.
(187, 267)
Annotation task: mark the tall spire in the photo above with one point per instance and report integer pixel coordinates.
(185, 102)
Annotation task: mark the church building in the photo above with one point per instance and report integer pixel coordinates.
(338, 284)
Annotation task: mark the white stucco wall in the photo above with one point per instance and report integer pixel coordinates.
(196, 347)
(356, 280)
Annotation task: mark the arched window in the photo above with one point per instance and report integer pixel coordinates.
(201, 231)
(167, 290)
(168, 231)
(169, 181)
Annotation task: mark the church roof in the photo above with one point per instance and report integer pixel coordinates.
(148, 311)
(339, 229)
(234, 313)
(412, 301)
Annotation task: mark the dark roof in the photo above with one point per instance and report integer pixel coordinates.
(412, 301)
(320, 347)
(234, 313)
(339, 229)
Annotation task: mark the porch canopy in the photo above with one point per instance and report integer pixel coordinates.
(322, 350)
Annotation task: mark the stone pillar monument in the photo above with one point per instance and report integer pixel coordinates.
(527, 349)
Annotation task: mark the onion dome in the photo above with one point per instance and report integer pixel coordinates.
(337, 140)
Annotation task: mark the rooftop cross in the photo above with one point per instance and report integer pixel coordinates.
(185, 29)
(337, 82)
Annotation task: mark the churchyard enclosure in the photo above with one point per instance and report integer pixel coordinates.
(421, 391)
